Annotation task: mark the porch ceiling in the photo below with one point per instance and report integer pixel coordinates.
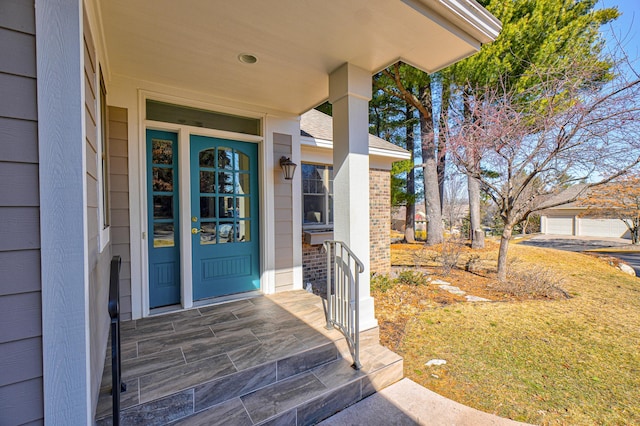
(194, 44)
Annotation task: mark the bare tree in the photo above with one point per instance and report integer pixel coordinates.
(617, 200)
(563, 129)
(454, 205)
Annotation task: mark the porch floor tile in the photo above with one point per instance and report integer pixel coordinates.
(262, 359)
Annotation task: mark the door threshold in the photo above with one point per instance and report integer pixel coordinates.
(165, 310)
(224, 299)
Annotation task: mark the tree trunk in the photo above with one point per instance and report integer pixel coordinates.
(435, 232)
(410, 228)
(442, 141)
(502, 254)
(477, 235)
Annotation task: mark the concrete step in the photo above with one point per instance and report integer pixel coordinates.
(406, 403)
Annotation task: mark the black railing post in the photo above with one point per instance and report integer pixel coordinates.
(114, 312)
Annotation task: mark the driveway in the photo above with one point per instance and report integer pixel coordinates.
(620, 248)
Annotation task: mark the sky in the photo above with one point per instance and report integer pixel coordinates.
(626, 27)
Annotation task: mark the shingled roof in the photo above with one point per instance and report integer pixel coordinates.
(318, 125)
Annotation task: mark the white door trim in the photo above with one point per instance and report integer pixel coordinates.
(139, 210)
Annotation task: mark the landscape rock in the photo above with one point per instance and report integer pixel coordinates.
(440, 282)
(627, 269)
(452, 289)
(435, 362)
(476, 299)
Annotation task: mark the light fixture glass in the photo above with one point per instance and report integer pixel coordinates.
(288, 167)
(247, 58)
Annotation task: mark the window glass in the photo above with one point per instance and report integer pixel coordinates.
(169, 113)
(317, 195)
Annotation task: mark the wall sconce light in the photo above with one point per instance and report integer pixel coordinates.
(288, 167)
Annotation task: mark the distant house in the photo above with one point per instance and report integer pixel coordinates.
(568, 219)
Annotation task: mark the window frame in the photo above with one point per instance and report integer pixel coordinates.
(327, 178)
(104, 214)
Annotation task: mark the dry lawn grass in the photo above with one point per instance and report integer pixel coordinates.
(567, 361)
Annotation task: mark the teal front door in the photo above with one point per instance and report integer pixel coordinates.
(224, 217)
(163, 219)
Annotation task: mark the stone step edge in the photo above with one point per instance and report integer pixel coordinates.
(304, 351)
(340, 389)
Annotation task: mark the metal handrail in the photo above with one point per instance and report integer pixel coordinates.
(343, 294)
(117, 385)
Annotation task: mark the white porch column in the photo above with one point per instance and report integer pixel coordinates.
(349, 93)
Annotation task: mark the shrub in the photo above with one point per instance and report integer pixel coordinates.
(450, 254)
(532, 282)
(410, 277)
(381, 283)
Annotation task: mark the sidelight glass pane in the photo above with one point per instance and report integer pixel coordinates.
(162, 179)
(161, 151)
(208, 233)
(208, 207)
(208, 158)
(163, 207)
(163, 235)
(242, 183)
(207, 182)
(225, 158)
(244, 231)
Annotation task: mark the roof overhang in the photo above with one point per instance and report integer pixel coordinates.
(393, 155)
(195, 45)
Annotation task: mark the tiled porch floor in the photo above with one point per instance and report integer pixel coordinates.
(255, 361)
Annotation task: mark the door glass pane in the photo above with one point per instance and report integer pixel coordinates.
(244, 231)
(163, 235)
(207, 158)
(243, 207)
(208, 207)
(161, 151)
(243, 162)
(225, 158)
(207, 182)
(162, 207)
(226, 206)
(242, 183)
(225, 232)
(162, 179)
(208, 233)
(225, 183)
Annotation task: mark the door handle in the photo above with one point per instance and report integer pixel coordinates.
(195, 231)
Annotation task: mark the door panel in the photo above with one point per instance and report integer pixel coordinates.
(224, 210)
(163, 220)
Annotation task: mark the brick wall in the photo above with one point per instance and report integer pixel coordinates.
(380, 220)
(314, 261)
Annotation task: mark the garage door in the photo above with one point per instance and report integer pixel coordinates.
(560, 225)
(602, 228)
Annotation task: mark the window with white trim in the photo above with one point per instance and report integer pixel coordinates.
(317, 196)
(104, 215)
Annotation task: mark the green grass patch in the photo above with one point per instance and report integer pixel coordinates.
(568, 361)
